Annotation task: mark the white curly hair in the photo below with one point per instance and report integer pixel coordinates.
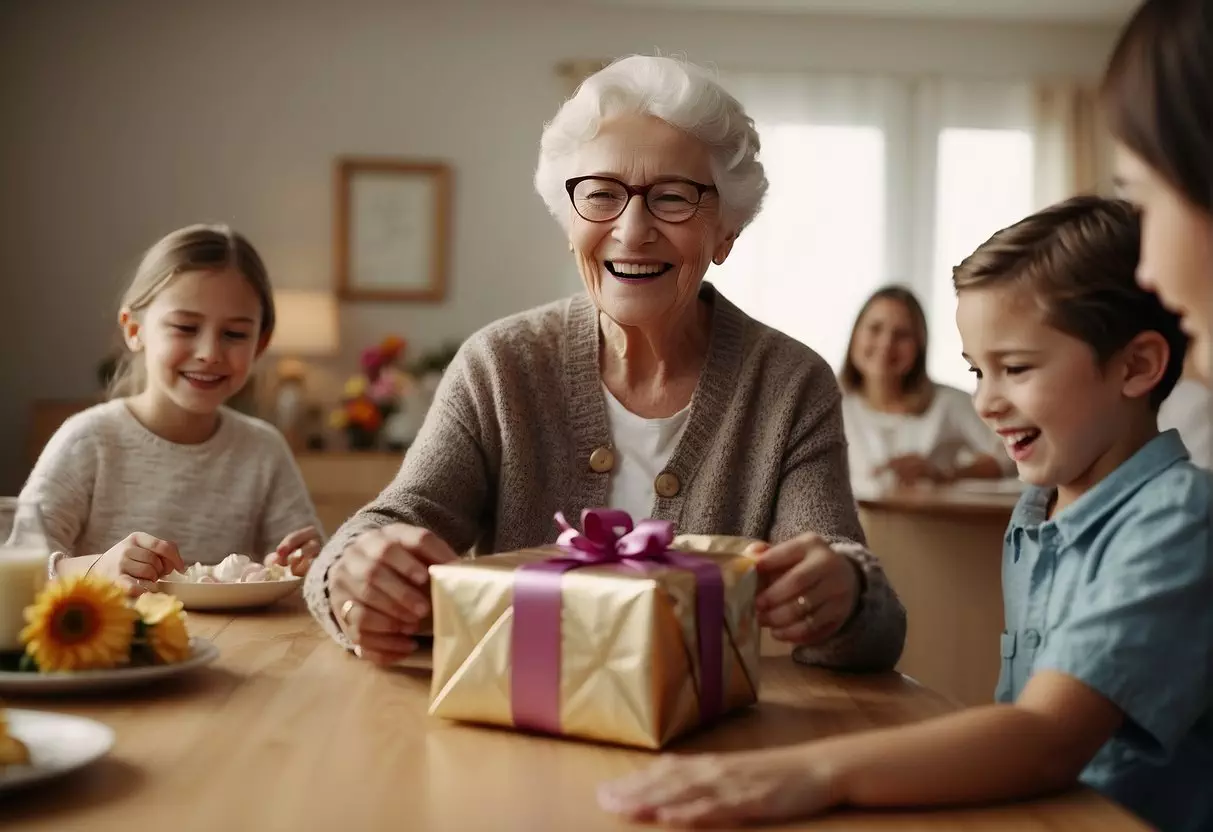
(682, 94)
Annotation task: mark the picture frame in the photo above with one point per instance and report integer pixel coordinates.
(392, 229)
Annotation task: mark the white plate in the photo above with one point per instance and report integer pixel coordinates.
(58, 744)
(14, 683)
(229, 596)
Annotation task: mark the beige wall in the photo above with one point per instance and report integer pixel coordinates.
(122, 120)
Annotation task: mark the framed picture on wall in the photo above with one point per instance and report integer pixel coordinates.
(392, 229)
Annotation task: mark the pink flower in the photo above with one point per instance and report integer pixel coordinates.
(384, 389)
(373, 361)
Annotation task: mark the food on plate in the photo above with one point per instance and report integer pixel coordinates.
(12, 751)
(233, 569)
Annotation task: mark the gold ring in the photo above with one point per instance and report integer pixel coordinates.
(805, 607)
(346, 609)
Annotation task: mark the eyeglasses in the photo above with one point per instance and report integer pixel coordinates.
(601, 199)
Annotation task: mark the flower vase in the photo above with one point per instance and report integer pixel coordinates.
(361, 439)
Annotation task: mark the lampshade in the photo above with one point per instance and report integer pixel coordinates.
(306, 325)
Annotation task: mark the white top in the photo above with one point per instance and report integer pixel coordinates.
(642, 449)
(1189, 409)
(103, 475)
(949, 433)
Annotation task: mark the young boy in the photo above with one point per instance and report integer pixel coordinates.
(1107, 575)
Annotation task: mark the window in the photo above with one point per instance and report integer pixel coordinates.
(872, 181)
(983, 183)
(817, 249)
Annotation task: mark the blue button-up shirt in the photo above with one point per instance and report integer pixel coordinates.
(1116, 591)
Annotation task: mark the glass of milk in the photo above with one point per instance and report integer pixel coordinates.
(24, 552)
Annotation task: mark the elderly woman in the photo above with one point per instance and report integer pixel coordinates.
(650, 392)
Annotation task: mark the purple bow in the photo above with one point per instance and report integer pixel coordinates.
(607, 536)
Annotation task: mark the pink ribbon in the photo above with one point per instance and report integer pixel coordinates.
(607, 536)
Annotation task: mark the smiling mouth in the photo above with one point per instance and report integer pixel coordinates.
(637, 271)
(204, 381)
(1018, 442)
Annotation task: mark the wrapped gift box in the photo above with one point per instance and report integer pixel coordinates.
(615, 634)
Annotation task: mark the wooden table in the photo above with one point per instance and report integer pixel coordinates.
(942, 550)
(287, 732)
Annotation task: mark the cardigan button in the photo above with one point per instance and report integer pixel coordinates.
(667, 484)
(602, 460)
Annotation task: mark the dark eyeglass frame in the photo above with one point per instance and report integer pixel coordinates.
(641, 191)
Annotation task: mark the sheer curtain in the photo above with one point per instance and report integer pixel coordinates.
(829, 231)
(876, 180)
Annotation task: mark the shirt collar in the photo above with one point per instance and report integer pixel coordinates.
(1106, 496)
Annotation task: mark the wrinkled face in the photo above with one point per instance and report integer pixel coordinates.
(1057, 410)
(199, 337)
(1176, 253)
(639, 269)
(885, 344)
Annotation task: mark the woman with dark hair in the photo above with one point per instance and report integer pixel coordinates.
(903, 428)
(1158, 97)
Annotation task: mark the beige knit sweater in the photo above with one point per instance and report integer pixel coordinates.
(507, 444)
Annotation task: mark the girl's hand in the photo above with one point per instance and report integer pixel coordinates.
(723, 789)
(807, 590)
(137, 561)
(297, 551)
(379, 589)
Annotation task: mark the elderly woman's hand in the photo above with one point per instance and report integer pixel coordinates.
(808, 590)
(379, 589)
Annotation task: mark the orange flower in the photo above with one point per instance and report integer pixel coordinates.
(391, 348)
(363, 413)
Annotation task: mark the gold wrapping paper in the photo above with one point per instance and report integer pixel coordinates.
(628, 659)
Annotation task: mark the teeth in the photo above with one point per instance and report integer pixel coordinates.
(636, 268)
(203, 377)
(1012, 439)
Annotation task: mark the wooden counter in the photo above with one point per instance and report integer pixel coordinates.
(287, 732)
(942, 551)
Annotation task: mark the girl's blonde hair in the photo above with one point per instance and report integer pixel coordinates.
(194, 248)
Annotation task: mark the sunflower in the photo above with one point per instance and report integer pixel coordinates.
(164, 626)
(79, 623)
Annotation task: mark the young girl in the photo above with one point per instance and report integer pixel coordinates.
(902, 427)
(164, 475)
(1109, 630)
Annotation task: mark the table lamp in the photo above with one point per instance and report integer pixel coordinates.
(306, 327)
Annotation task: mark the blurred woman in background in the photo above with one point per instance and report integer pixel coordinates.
(902, 428)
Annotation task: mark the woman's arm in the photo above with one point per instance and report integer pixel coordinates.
(443, 485)
(987, 458)
(982, 467)
(815, 496)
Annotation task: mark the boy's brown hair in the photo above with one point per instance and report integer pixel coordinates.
(1078, 259)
